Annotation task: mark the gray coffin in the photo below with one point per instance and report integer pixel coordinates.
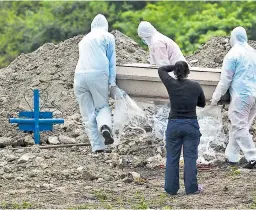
(142, 81)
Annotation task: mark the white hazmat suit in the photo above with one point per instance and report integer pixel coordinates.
(95, 73)
(239, 77)
(163, 50)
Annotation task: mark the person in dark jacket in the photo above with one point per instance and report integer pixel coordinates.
(183, 128)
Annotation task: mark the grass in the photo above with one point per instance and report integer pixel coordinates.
(92, 206)
(8, 205)
(234, 171)
(138, 200)
(101, 195)
(83, 206)
(253, 204)
(142, 204)
(167, 208)
(163, 200)
(141, 201)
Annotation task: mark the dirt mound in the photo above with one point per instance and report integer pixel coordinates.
(212, 53)
(51, 69)
(127, 50)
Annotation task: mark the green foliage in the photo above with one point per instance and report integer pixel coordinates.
(191, 23)
(26, 25)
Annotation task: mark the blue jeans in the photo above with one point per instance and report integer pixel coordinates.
(182, 132)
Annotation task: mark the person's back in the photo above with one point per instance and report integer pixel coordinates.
(93, 51)
(184, 95)
(164, 51)
(243, 60)
(95, 74)
(183, 129)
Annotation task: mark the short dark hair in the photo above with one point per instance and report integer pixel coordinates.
(181, 70)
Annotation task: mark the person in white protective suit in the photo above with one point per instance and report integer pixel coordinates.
(95, 73)
(163, 50)
(239, 77)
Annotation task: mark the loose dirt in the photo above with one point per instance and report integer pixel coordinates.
(76, 179)
(132, 176)
(51, 70)
(212, 53)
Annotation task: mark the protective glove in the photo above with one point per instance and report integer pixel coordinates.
(116, 93)
(214, 102)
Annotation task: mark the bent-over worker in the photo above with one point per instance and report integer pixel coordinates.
(163, 50)
(239, 77)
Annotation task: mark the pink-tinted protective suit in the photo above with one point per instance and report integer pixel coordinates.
(163, 50)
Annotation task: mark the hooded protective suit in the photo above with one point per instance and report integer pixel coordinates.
(163, 50)
(239, 77)
(95, 72)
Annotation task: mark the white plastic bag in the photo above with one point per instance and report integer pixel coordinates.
(161, 120)
(210, 122)
(210, 111)
(126, 113)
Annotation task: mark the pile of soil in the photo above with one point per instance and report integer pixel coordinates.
(51, 70)
(212, 53)
(132, 176)
(127, 50)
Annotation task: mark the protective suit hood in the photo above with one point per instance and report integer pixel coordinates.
(146, 31)
(100, 23)
(238, 36)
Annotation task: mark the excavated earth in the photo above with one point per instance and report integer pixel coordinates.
(132, 176)
(212, 53)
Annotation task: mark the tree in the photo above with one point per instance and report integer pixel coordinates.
(26, 25)
(191, 24)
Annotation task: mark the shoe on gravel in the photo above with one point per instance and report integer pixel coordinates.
(105, 131)
(250, 164)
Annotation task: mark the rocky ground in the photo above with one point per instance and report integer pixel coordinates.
(51, 70)
(132, 176)
(74, 178)
(212, 53)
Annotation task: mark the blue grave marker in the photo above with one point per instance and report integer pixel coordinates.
(36, 121)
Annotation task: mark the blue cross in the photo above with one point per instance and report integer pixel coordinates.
(36, 121)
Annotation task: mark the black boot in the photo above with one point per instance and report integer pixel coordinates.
(250, 164)
(99, 151)
(105, 132)
(103, 151)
